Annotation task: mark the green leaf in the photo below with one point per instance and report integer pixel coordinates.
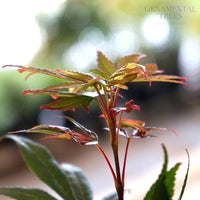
(58, 73)
(126, 74)
(42, 163)
(134, 58)
(162, 78)
(170, 179)
(35, 70)
(69, 103)
(75, 76)
(78, 181)
(52, 90)
(58, 132)
(105, 66)
(99, 73)
(21, 193)
(186, 177)
(163, 188)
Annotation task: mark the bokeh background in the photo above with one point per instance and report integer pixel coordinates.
(67, 34)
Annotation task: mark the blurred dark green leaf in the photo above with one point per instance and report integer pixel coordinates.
(46, 168)
(21, 193)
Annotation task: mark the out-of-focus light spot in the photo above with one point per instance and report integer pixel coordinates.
(156, 30)
(123, 42)
(47, 6)
(189, 61)
(82, 54)
(20, 37)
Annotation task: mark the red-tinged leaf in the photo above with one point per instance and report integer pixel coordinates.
(48, 129)
(55, 93)
(131, 106)
(89, 137)
(135, 129)
(69, 103)
(21, 70)
(54, 97)
(64, 136)
(34, 70)
(105, 66)
(152, 68)
(162, 78)
(75, 76)
(157, 129)
(134, 58)
(60, 86)
(126, 74)
(130, 123)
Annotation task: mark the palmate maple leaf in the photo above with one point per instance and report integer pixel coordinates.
(73, 92)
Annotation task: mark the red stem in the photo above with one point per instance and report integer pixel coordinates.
(102, 100)
(118, 128)
(125, 158)
(108, 162)
(116, 96)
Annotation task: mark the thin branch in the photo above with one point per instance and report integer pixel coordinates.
(102, 100)
(125, 158)
(101, 107)
(118, 127)
(108, 162)
(116, 96)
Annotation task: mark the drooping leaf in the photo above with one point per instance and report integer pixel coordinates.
(78, 181)
(105, 66)
(60, 132)
(136, 129)
(69, 103)
(91, 136)
(186, 177)
(163, 187)
(22, 193)
(46, 168)
(134, 58)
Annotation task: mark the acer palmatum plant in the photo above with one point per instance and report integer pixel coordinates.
(101, 85)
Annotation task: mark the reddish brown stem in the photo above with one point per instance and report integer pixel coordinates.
(118, 128)
(125, 158)
(116, 96)
(108, 162)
